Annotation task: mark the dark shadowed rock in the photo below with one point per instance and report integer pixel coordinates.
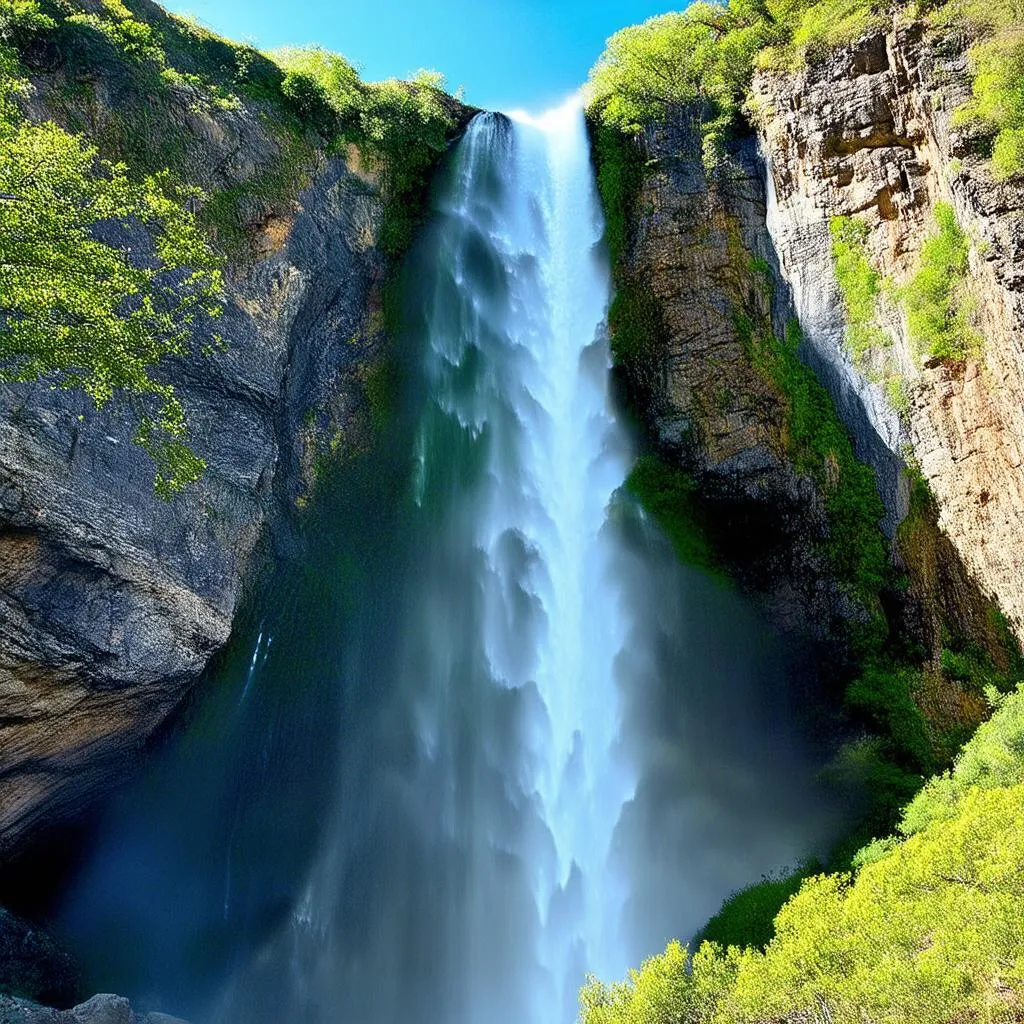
(100, 1009)
(33, 965)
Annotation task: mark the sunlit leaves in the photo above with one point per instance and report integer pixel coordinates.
(929, 931)
(935, 297)
(101, 278)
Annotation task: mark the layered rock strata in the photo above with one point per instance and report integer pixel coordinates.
(870, 132)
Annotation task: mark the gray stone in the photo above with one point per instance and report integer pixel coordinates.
(103, 1009)
(869, 132)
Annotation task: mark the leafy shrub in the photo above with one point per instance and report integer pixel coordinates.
(747, 917)
(321, 83)
(135, 39)
(669, 494)
(935, 301)
(406, 125)
(859, 284)
(993, 757)
(884, 691)
(997, 63)
(666, 989)
(706, 56)
(928, 931)
(822, 27)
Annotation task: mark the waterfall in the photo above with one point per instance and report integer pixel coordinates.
(530, 320)
(556, 747)
(488, 791)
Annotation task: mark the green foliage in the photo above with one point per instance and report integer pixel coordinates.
(859, 283)
(975, 669)
(619, 163)
(820, 446)
(706, 56)
(20, 19)
(935, 299)
(993, 757)
(321, 85)
(929, 931)
(996, 107)
(822, 27)
(884, 691)
(868, 769)
(409, 127)
(406, 126)
(82, 310)
(131, 37)
(747, 917)
(669, 494)
(667, 989)
(998, 99)
(896, 392)
(87, 298)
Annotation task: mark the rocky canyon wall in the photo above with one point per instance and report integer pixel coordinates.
(871, 133)
(743, 374)
(112, 601)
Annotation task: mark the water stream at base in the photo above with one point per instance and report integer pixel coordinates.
(555, 747)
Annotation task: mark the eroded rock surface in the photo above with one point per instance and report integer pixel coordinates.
(702, 248)
(111, 600)
(869, 132)
(100, 1009)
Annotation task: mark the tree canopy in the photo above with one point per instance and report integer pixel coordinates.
(928, 930)
(102, 276)
(707, 55)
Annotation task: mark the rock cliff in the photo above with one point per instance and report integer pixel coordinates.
(729, 273)
(112, 601)
(870, 132)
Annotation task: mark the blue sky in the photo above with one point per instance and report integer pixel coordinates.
(507, 53)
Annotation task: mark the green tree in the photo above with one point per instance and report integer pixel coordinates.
(935, 299)
(101, 277)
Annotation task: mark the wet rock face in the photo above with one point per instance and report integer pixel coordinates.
(701, 245)
(869, 132)
(33, 964)
(111, 600)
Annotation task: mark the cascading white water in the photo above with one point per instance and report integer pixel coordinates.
(559, 748)
(555, 458)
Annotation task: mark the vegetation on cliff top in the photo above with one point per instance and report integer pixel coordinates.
(708, 54)
(87, 299)
(927, 930)
(405, 126)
